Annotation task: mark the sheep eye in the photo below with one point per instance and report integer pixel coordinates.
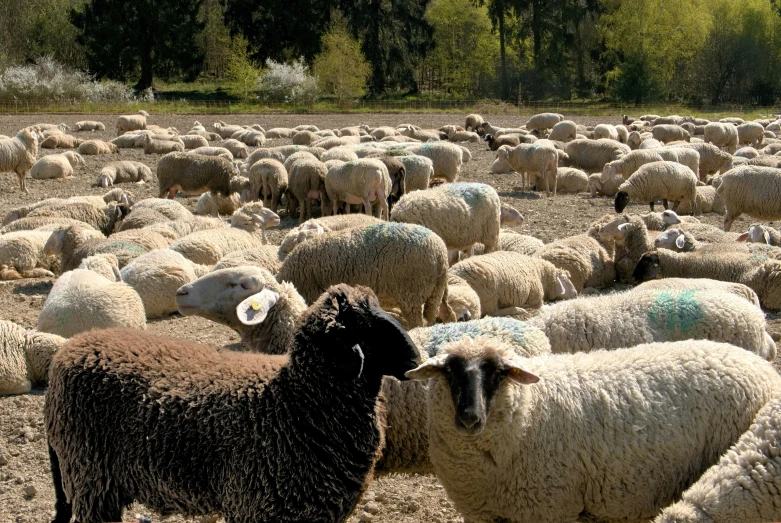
(245, 285)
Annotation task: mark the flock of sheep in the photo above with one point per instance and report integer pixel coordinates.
(381, 334)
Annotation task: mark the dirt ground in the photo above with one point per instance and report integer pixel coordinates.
(26, 493)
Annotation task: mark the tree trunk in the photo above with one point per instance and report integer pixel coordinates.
(503, 53)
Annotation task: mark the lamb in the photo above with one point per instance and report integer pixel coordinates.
(195, 174)
(752, 190)
(751, 133)
(647, 315)
(537, 158)
(269, 179)
(306, 182)
(462, 214)
(88, 125)
(707, 200)
(18, 154)
(608, 188)
(25, 356)
(61, 141)
(762, 275)
(508, 282)
(156, 146)
(409, 250)
(95, 147)
(632, 241)
(22, 253)
(473, 122)
(544, 121)
(722, 135)
(133, 122)
(670, 133)
(266, 257)
(311, 490)
(247, 231)
(81, 300)
(447, 158)
(56, 166)
(744, 484)
(123, 172)
(592, 155)
(668, 181)
(564, 131)
(501, 434)
(419, 172)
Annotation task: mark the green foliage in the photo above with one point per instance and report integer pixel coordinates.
(340, 68)
(214, 40)
(242, 72)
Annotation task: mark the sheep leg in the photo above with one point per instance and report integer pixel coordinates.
(172, 193)
(413, 316)
(728, 219)
(675, 205)
(64, 510)
(22, 183)
(452, 257)
(367, 206)
(302, 214)
(652, 206)
(664, 202)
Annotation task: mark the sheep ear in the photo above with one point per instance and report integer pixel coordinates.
(625, 227)
(428, 369)
(254, 309)
(743, 237)
(680, 241)
(517, 374)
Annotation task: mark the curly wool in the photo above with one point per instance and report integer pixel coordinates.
(25, 356)
(266, 257)
(379, 256)
(102, 218)
(701, 284)
(692, 399)
(661, 180)
(752, 190)
(193, 174)
(365, 181)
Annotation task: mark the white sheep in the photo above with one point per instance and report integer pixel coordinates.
(665, 412)
(564, 131)
(123, 172)
(592, 155)
(193, 141)
(708, 200)
(751, 133)
(210, 205)
(56, 166)
(447, 158)
(365, 181)
(22, 254)
(543, 121)
(237, 148)
(761, 234)
(269, 180)
(96, 147)
(539, 158)
(605, 131)
(473, 122)
(132, 122)
(88, 125)
(752, 190)
(722, 135)
(213, 151)
(420, 171)
(25, 356)
(18, 154)
(156, 146)
(670, 133)
(306, 183)
(668, 181)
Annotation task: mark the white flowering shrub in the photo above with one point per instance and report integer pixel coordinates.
(49, 80)
(291, 83)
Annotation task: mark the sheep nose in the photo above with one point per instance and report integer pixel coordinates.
(466, 316)
(469, 418)
(182, 291)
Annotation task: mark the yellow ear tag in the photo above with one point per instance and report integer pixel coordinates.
(255, 305)
(655, 265)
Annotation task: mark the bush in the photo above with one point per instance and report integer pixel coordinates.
(49, 80)
(290, 83)
(341, 68)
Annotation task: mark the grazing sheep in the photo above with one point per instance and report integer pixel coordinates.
(631, 240)
(266, 257)
(61, 141)
(447, 158)
(462, 214)
(410, 252)
(761, 274)
(473, 122)
(668, 181)
(543, 121)
(722, 135)
(193, 174)
(18, 154)
(743, 486)
(419, 172)
(265, 479)
(752, 190)
(707, 200)
(22, 255)
(25, 356)
(630, 163)
(670, 133)
(691, 400)
(95, 147)
(133, 122)
(269, 180)
(123, 172)
(751, 133)
(564, 131)
(538, 159)
(306, 182)
(365, 181)
(592, 155)
(88, 125)
(56, 166)
(712, 159)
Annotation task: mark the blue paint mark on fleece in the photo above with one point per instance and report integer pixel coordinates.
(472, 193)
(671, 310)
(447, 332)
(410, 234)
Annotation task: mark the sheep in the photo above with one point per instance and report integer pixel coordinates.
(647, 315)
(114, 195)
(266, 257)
(630, 163)
(81, 300)
(447, 158)
(212, 137)
(496, 143)
(701, 231)
(18, 154)
(605, 131)
(306, 182)
(707, 200)
(247, 137)
(410, 252)
(25, 356)
(123, 172)
(126, 141)
(195, 174)
(508, 282)
(761, 234)
(544, 121)
(236, 148)
(22, 253)
(339, 153)
(650, 143)
(398, 174)
(722, 135)
(213, 151)
(743, 486)
(208, 205)
(225, 131)
(752, 190)
(318, 226)
(364, 181)
(191, 141)
(691, 400)
(304, 138)
(712, 159)
(313, 489)
(733, 121)
(761, 274)
(763, 161)
(670, 133)
(748, 153)
(155, 146)
(462, 214)
(95, 147)
(281, 153)
(702, 284)
(679, 240)
(473, 122)
(56, 166)
(61, 141)
(419, 172)
(102, 218)
(608, 188)
(751, 133)
(171, 209)
(538, 159)
(564, 131)
(631, 240)
(585, 259)
(668, 181)
(592, 155)
(29, 224)
(133, 122)
(88, 125)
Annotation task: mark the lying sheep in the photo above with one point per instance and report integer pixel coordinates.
(191, 141)
(365, 181)
(22, 254)
(123, 172)
(752, 190)
(312, 489)
(707, 200)
(608, 188)
(701, 284)
(668, 181)
(171, 209)
(18, 154)
(131, 122)
(213, 151)
(266, 257)
(539, 159)
(316, 227)
(238, 149)
(631, 241)
(101, 217)
(208, 205)
(569, 180)
(508, 282)
(761, 234)
(722, 135)
(564, 131)
(585, 260)
(743, 486)
(25, 356)
(648, 315)
(156, 146)
(494, 144)
(61, 141)
(88, 125)
(225, 131)
(679, 240)
(95, 147)
(462, 214)
(693, 399)
(195, 174)
(409, 250)
(56, 166)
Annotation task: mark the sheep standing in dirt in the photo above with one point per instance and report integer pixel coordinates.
(592, 155)
(25, 356)
(56, 166)
(722, 135)
(18, 154)
(132, 122)
(194, 175)
(365, 181)
(306, 183)
(473, 122)
(751, 133)
(539, 158)
(447, 158)
(667, 181)
(543, 121)
(269, 180)
(670, 133)
(752, 190)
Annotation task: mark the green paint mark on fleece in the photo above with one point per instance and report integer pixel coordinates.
(410, 234)
(449, 332)
(671, 311)
(472, 193)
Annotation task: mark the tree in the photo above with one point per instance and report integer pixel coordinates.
(143, 38)
(340, 68)
(497, 10)
(241, 70)
(214, 40)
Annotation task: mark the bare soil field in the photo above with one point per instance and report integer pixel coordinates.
(26, 493)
